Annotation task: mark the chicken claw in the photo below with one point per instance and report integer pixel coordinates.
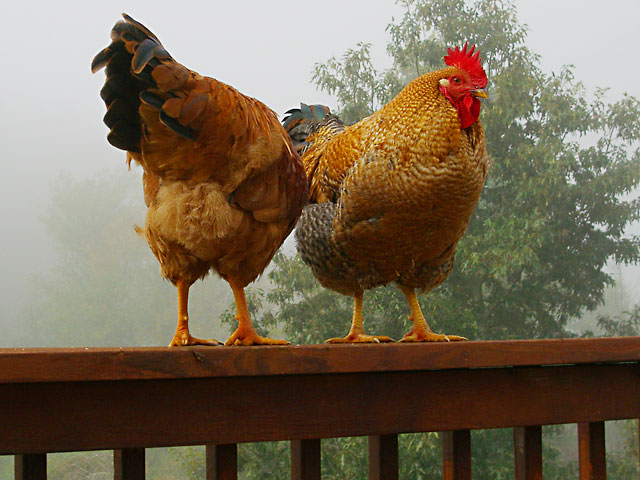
(245, 334)
(184, 339)
(360, 338)
(430, 337)
(421, 332)
(251, 338)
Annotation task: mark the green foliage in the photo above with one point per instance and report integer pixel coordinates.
(625, 463)
(354, 81)
(625, 325)
(80, 466)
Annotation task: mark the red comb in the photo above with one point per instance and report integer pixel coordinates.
(469, 62)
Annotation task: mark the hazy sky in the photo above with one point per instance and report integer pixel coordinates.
(51, 114)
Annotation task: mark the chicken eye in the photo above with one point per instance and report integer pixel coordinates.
(456, 80)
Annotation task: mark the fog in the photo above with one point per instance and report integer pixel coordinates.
(51, 115)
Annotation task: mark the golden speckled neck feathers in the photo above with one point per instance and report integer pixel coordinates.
(418, 125)
(421, 98)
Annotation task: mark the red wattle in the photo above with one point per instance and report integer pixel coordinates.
(468, 110)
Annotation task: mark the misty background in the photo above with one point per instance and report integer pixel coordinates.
(52, 134)
(51, 115)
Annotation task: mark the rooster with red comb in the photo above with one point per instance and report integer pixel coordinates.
(391, 196)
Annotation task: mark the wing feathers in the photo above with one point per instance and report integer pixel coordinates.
(175, 125)
(148, 92)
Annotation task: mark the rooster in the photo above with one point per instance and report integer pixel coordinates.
(391, 195)
(221, 181)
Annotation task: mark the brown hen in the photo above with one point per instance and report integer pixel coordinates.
(222, 183)
(391, 196)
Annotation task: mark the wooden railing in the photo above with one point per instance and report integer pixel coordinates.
(129, 399)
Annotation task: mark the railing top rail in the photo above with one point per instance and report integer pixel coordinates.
(25, 365)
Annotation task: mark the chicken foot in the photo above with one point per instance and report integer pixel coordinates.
(421, 332)
(245, 334)
(356, 334)
(182, 337)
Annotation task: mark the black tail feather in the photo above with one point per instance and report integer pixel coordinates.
(129, 59)
(152, 99)
(302, 122)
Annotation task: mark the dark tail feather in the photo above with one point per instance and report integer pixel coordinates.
(302, 122)
(129, 59)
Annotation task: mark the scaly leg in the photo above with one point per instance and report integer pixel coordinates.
(356, 334)
(421, 332)
(245, 334)
(182, 336)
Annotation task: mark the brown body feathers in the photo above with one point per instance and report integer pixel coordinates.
(223, 183)
(392, 195)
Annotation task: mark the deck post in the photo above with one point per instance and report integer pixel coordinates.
(305, 459)
(456, 455)
(528, 452)
(222, 462)
(31, 467)
(591, 451)
(383, 457)
(129, 464)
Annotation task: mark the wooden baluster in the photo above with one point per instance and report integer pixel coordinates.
(222, 462)
(383, 457)
(591, 451)
(305, 459)
(456, 455)
(31, 467)
(128, 464)
(528, 452)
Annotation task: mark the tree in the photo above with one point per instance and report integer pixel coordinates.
(553, 213)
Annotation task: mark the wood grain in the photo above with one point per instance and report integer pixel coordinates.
(591, 451)
(75, 399)
(129, 464)
(456, 455)
(306, 460)
(528, 452)
(383, 457)
(72, 416)
(222, 462)
(107, 364)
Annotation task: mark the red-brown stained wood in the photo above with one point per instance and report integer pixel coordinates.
(129, 464)
(591, 451)
(67, 416)
(31, 467)
(222, 462)
(305, 460)
(383, 457)
(456, 455)
(102, 364)
(528, 452)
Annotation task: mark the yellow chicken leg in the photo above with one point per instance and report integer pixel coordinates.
(356, 334)
(245, 334)
(182, 337)
(421, 332)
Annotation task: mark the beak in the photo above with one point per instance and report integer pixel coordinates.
(479, 93)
